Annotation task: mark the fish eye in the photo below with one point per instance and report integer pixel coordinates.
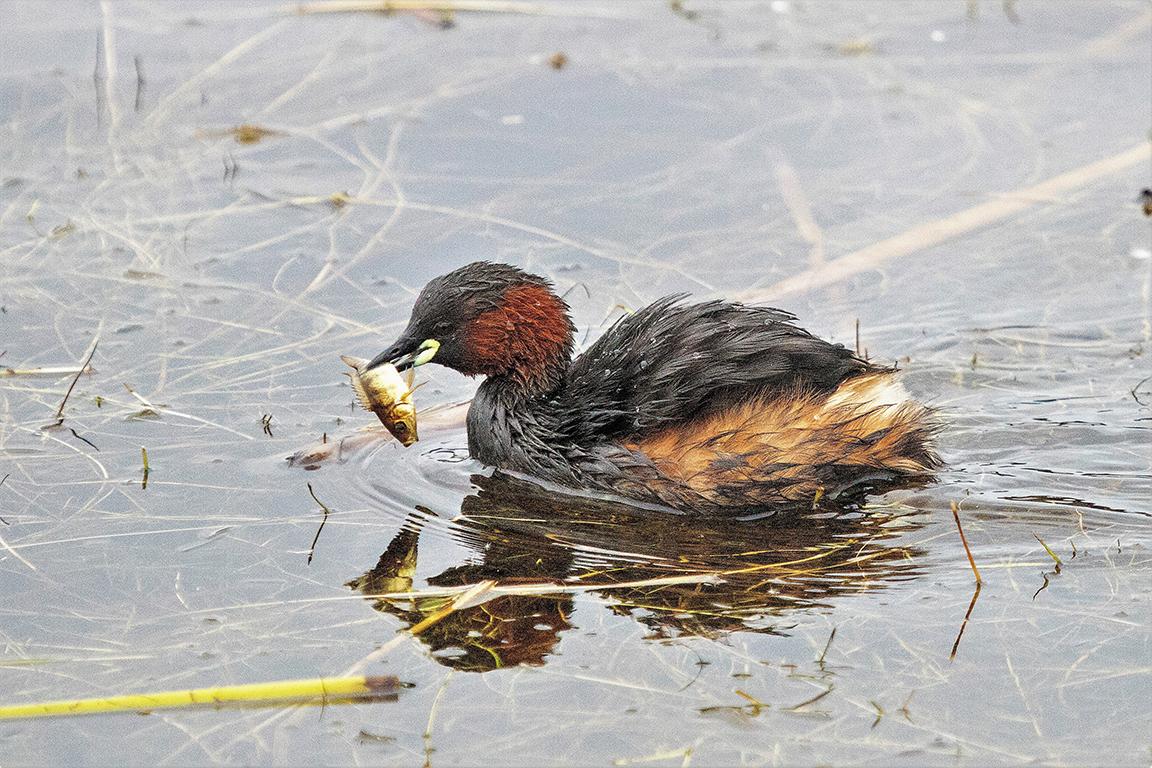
(401, 427)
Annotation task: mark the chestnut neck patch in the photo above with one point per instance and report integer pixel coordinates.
(526, 338)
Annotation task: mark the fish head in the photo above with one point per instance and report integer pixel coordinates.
(384, 391)
(401, 422)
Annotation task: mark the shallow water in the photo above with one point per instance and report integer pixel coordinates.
(716, 155)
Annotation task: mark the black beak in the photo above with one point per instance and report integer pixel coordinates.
(401, 354)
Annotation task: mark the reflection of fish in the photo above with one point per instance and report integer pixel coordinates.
(383, 391)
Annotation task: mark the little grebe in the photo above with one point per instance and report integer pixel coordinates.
(710, 406)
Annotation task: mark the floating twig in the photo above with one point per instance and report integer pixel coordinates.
(827, 645)
(1136, 388)
(316, 538)
(752, 709)
(963, 625)
(147, 469)
(812, 700)
(318, 690)
(266, 420)
(755, 704)
(1043, 586)
(76, 435)
(140, 83)
(1051, 554)
(59, 370)
(83, 366)
(1056, 570)
(932, 233)
(548, 588)
(2, 481)
(6, 547)
(574, 286)
(964, 540)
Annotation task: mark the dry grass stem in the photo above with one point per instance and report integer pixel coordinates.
(964, 541)
(942, 230)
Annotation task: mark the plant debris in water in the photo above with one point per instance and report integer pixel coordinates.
(318, 690)
(251, 134)
(323, 522)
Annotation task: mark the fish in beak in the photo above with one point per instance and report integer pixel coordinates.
(381, 389)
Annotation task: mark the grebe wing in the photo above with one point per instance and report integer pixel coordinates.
(673, 362)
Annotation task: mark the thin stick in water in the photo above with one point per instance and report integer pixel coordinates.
(1051, 554)
(316, 538)
(1043, 586)
(827, 645)
(812, 700)
(964, 540)
(140, 83)
(964, 624)
(76, 435)
(60, 370)
(83, 367)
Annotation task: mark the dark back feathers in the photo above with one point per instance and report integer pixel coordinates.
(672, 362)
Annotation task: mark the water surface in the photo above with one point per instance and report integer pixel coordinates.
(716, 152)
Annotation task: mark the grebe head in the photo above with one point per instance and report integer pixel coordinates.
(488, 319)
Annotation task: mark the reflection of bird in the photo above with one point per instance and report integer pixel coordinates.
(506, 631)
(702, 406)
(527, 536)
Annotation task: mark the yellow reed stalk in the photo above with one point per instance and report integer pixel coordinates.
(323, 688)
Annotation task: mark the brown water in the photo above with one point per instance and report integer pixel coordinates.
(712, 153)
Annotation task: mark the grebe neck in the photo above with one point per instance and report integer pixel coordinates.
(524, 346)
